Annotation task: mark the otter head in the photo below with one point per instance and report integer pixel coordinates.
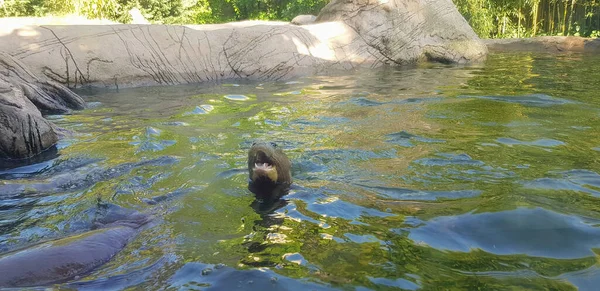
(269, 170)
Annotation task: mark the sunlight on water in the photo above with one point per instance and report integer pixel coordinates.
(432, 178)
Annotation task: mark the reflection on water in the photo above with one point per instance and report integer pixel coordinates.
(435, 177)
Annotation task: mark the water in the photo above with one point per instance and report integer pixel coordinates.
(430, 178)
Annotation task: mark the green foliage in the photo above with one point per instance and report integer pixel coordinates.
(476, 12)
(9, 8)
(526, 18)
(170, 11)
(489, 18)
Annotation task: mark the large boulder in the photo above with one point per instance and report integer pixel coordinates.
(49, 96)
(24, 132)
(405, 31)
(347, 34)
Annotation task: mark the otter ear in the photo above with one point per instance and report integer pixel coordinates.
(274, 144)
(254, 143)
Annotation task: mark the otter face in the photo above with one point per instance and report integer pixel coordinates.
(268, 169)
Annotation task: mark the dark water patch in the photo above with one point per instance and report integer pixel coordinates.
(574, 180)
(172, 195)
(405, 139)
(290, 211)
(226, 278)
(318, 122)
(273, 122)
(123, 281)
(587, 279)
(362, 101)
(319, 202)
(308, 170)
(330, 155)
(537, 100)
(399, 283)
(410, 194)
(150, 141)
(231, 173)
(460, 167)
(139, 183)
(449, 160)
(333, 238)
(33, 213)
(175, 123)
(545, 142)
(78, 180)
(279, 142)
(26, 171)
(200, 110)
(47, 155)
(101, 215)
(205, 157)
(533, 232)
(298, 259)
(418, 100)
(361, 239)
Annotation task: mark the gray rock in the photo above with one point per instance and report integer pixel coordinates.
(545, 44)
(303, 19)
(405, 31)
(23, 131)
(40, 62)
(346, 35)
(48, 96)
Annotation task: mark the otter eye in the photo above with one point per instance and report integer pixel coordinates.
(273, 144)
(254, 143)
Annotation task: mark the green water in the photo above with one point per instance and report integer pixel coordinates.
(433, 178)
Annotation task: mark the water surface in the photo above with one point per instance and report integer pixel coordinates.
(428, 178)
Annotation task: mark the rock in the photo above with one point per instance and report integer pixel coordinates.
(405, 31)
(303, 19)
(49, 96)
(118, 56)
(42, 62)
(548, 44)
(23, 131)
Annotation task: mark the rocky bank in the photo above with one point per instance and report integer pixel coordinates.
(39, 63)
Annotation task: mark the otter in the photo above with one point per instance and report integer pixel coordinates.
(269, 171)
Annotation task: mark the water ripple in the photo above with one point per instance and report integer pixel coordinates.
(534, 232)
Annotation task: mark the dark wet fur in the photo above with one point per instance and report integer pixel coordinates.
(266, 190)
